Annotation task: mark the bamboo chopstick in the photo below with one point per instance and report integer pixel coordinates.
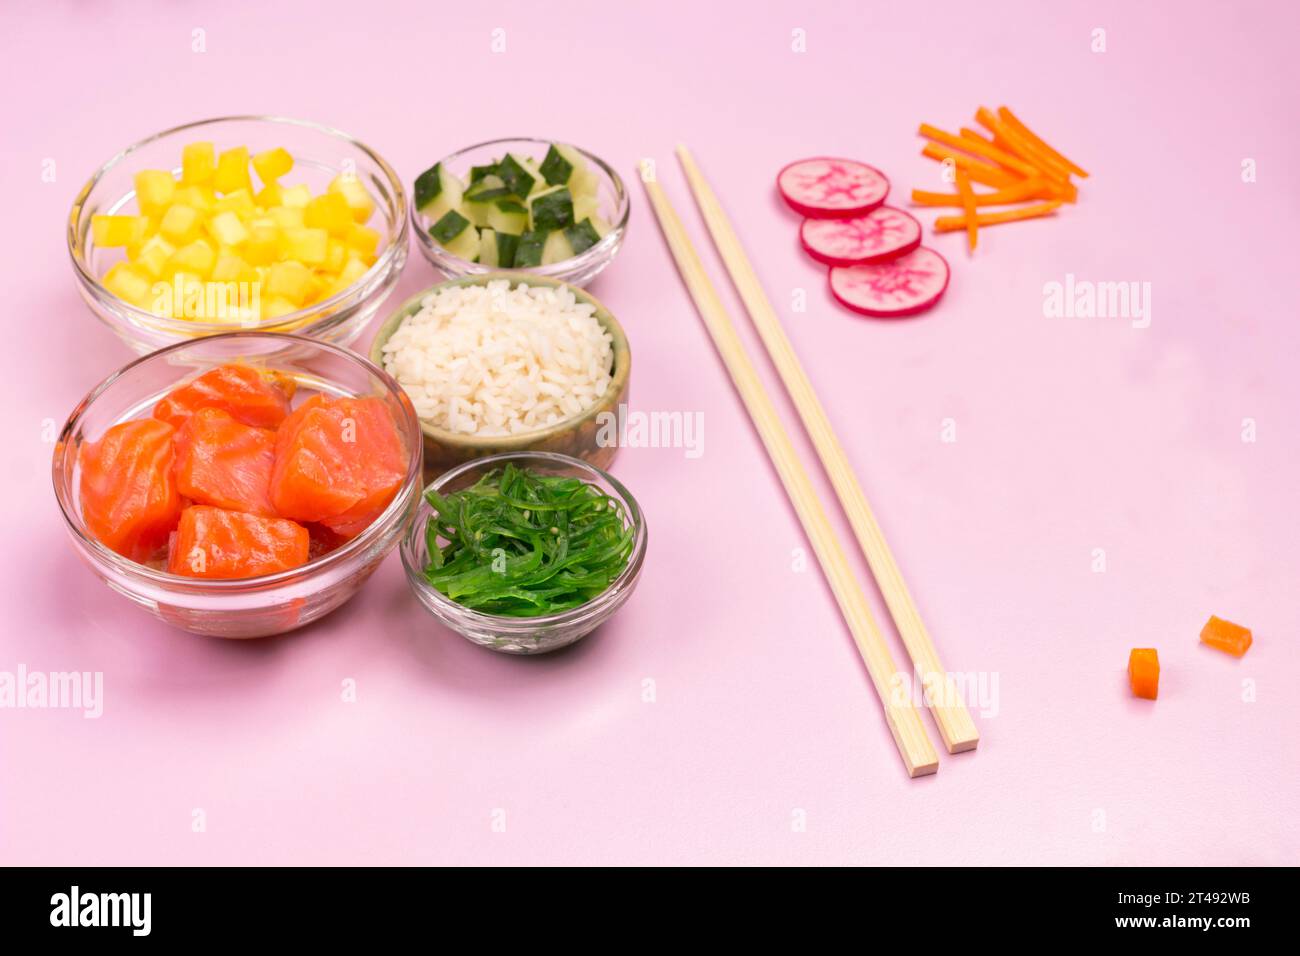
(954, 721)
(914, 746)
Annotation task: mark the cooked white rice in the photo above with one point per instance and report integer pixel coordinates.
(494, 360)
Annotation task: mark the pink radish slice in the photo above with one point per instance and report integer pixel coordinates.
(882, 234)
(825, 188)
(902, 286)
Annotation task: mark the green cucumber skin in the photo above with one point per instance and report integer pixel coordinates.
(488, 195)
(428, 186)
(517, 179)
(582, 236)
(553, 211)
(555, 169)
(529, 251)
(507, 245)
(478, 172)
(449, 227)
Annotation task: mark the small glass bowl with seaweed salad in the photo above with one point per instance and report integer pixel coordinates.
(526, 552)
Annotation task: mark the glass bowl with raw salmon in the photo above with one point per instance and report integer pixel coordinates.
(525, 553)
(532, 205)
(240, 485)
(243, 223)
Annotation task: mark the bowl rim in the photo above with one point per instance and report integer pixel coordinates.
(523, 625)
(184, 583)
(607, 246)
(502, 444)
(395, 251)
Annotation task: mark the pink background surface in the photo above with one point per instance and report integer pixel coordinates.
(1071, 435)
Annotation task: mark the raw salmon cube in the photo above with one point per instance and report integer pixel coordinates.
(129, 499)
(217, 543)
(253, 396)
(223, 462)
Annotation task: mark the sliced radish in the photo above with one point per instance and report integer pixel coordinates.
(882, 234)
(902, 286)
(832, 188)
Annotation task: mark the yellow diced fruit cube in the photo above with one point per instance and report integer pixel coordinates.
(153, 254)
(296, 196)
(232, 171)
(201, 198)
(198, 163)
(354, 193)
(154, 189)
(308, 246)
(108, 231)
(262, 247)
(336, 254)
(270, 195)
(289, 280)
(239, 201)
(353, 270)
(272, 164)
(364, 240)
(288, 217)
(181, 224)
(129, 282)
(227, 228)
(277, 306)
(231, 268)
(196, 258)
(329, 211)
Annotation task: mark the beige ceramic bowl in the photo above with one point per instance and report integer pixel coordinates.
(577, 436)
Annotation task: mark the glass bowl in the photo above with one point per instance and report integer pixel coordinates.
(524, 635)
(320, 153)
(578, 270)
(246, 607)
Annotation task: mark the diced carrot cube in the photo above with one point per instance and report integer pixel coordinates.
(1144, 672)
(1226, 636)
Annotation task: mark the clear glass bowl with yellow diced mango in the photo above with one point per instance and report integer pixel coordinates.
(243, 223)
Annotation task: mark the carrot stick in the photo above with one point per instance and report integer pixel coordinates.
(1022, 147)
(968, 203)
(978, 171)
(1013, 121)
(979, 148)
(954, 223)
(1029, 189)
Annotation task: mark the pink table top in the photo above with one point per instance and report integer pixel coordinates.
(724, 716)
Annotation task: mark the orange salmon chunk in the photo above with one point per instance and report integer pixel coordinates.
(1144, 672)
(129, 499)
(217, 543)
(223, 462)
(252, 396)
(1226, 636)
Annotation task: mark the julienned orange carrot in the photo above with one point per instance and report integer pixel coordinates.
(979, 148)
(1014, 122)
(1029, 189)
(1017, 144)
(1226, 636)
(953, 223)
(1144, 672)
(977, 170)
(968, 203)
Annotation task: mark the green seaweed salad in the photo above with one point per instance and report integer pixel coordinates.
(522, 544)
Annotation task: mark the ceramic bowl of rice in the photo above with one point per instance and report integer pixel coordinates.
(505, 362)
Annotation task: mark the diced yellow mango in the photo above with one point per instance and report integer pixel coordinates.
(308, 246)
(201, 198)
(270, 195)
(198, 163)
(232, 171)
(336, 254)
(227, 228)
(277, 306)
(329, 211)
(153, 254)
(238, 201)
(296, 196)
(230, 267)
(353, 270)
(288, 217)
(262, 246)
(289, 280)
(181, 224)
(196, 258)
(364, 240)
(108, 231)
(358, 199)
(154, 189)
(272, 164)
(129, 282)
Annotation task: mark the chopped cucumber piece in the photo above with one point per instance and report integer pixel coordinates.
(557, 248)
(479, 198)
(555, 169)
(478, 172)
(600, 225)
(506, 246)
(584, 207)
(437, 192)
(466, 245)
(506, 215)
(551, 209)
(487, 248)
(449, 227)
(488, 183)
(515, 176)
(582, 236)
(529, 251)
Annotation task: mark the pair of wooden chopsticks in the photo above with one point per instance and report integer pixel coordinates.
(893, 688)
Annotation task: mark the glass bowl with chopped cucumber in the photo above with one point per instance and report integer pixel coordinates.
(530, 205)
(525, 553)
